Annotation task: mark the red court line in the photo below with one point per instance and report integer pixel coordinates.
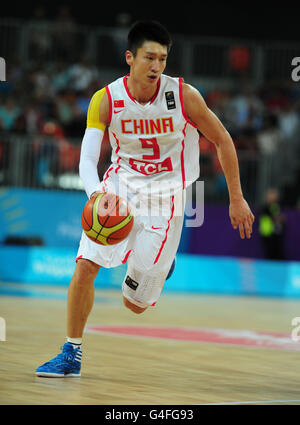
(246, 338)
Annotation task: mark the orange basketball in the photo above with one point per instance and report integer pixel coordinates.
(107, 219)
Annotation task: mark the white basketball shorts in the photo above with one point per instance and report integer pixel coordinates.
(148, 251)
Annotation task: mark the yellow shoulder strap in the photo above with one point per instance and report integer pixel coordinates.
(93, 111)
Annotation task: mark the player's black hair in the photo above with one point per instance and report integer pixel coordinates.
(142, 31)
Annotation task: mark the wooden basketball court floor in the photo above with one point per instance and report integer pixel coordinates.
(150, 365)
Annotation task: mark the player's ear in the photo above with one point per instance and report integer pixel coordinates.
(129, 57)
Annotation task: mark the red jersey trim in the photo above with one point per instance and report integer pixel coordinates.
(182, 158)
(156, 93)
(132, 98)
(117, 151)
(106, 175)
(126, 88)
(181, 102)
(110, 103)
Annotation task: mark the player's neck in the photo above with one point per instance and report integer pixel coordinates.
(142, 93)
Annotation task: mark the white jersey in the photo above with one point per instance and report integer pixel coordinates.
(155, 146)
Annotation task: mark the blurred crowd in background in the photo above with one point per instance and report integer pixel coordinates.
(264, 120)
(51, 98)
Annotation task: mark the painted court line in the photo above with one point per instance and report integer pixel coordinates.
(235, 337)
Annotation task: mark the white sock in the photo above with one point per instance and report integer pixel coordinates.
(76, 342)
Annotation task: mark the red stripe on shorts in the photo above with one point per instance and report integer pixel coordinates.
(166, 236)
(126, 256)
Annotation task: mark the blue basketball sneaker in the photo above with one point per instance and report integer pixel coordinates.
(65, 364)
(171, 269)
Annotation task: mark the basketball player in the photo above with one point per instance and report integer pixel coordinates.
(152, 121)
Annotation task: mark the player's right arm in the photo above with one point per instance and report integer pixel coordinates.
(211, 127)
(97, 120)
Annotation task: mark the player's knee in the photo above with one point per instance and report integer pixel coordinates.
(133, 307)
(86, 268)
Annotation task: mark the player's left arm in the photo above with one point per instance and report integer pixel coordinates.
(211, 127)
(97, 121)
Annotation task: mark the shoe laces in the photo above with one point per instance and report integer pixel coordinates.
(68, 353)
(67, 356)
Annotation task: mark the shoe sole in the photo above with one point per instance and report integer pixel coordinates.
(57, 375)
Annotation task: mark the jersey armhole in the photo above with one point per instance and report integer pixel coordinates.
(181, 81)
(109, 103)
